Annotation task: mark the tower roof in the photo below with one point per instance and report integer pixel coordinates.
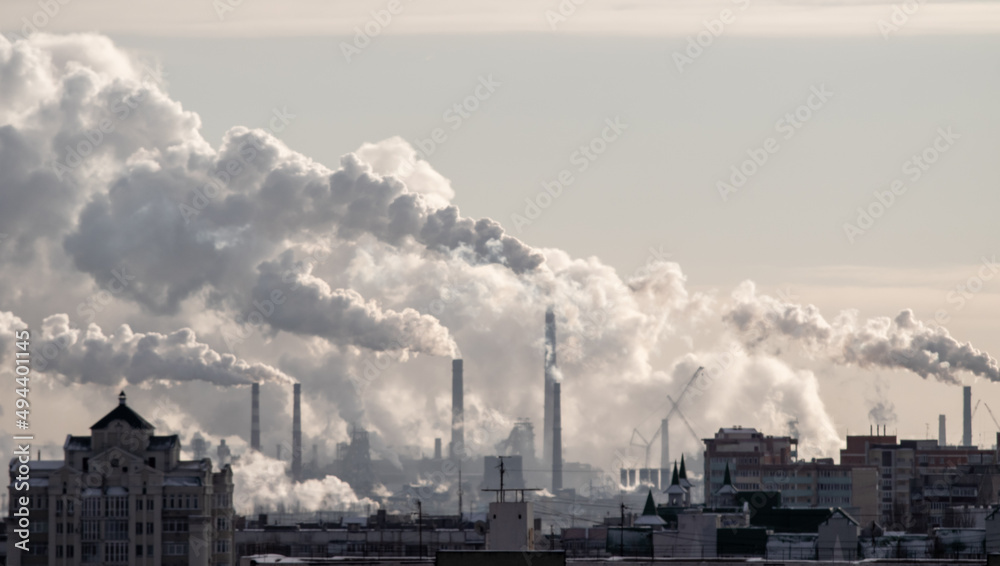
(123, 413)
(683, 472)
(650, 508)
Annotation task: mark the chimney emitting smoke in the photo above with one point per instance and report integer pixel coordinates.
(550, 379)
(457, 447)
(255, 416)
(967, 416)
(297, 432)
(557, 464)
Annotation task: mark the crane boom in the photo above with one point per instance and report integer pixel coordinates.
(991, 415)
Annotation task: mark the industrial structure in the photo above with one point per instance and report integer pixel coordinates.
(550, 380)
(456, 450)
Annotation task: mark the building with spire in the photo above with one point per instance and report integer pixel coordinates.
(725, 496)
(122, 496)
(677, 494)
(683, 476)
(649, 517)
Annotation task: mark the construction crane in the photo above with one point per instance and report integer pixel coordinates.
(976, 408)
(646, 445)
(991, 415)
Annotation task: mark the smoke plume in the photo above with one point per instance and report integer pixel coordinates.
(92, 357)
(903, 342)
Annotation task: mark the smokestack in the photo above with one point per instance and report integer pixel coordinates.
(437, 448)
(550, 379)
(942, 434)
(557, 463)
(255, 416)
(967, 416)
(297, 433)
(457, 447)
(664, 445)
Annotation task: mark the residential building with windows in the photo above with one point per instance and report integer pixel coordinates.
(745, 451)
(123, 496)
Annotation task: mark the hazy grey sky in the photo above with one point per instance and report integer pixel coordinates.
(656, 185)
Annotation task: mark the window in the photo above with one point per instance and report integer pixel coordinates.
(222, 546)
(138, 550)
(59, 528)
(69, 507)
(116, 530)
(175, 526)
(91, 530)
(149, 550)
(116, 507)
(70, 550)
(222, 524)
(88, 552)
(59, 551)
(138, 504)
(175, 549)
(152, 462)
(138, 528)
(116, 552)
(59, 506)
(91, 507)
(149, 528)
(149, 504)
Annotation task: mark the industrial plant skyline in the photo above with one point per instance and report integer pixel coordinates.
(384, 241)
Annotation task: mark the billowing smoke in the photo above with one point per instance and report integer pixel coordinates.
(902, 342)
(9, 324)
(90, 356)
(343, 275)
(260, 481)
(342, 316)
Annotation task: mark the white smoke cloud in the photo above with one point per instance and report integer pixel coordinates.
(90, 356)
(372, 266)
(902, 342)
(262, 481)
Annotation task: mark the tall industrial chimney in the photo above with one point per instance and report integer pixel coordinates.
(550, 379)
(297, 433)
(664, 446)
(457, 447)
(557, 463)
(967, 416)
(942, 432)
(255, 416)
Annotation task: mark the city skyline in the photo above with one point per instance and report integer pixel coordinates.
(357, 199)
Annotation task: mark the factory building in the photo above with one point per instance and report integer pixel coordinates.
(123, 496)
